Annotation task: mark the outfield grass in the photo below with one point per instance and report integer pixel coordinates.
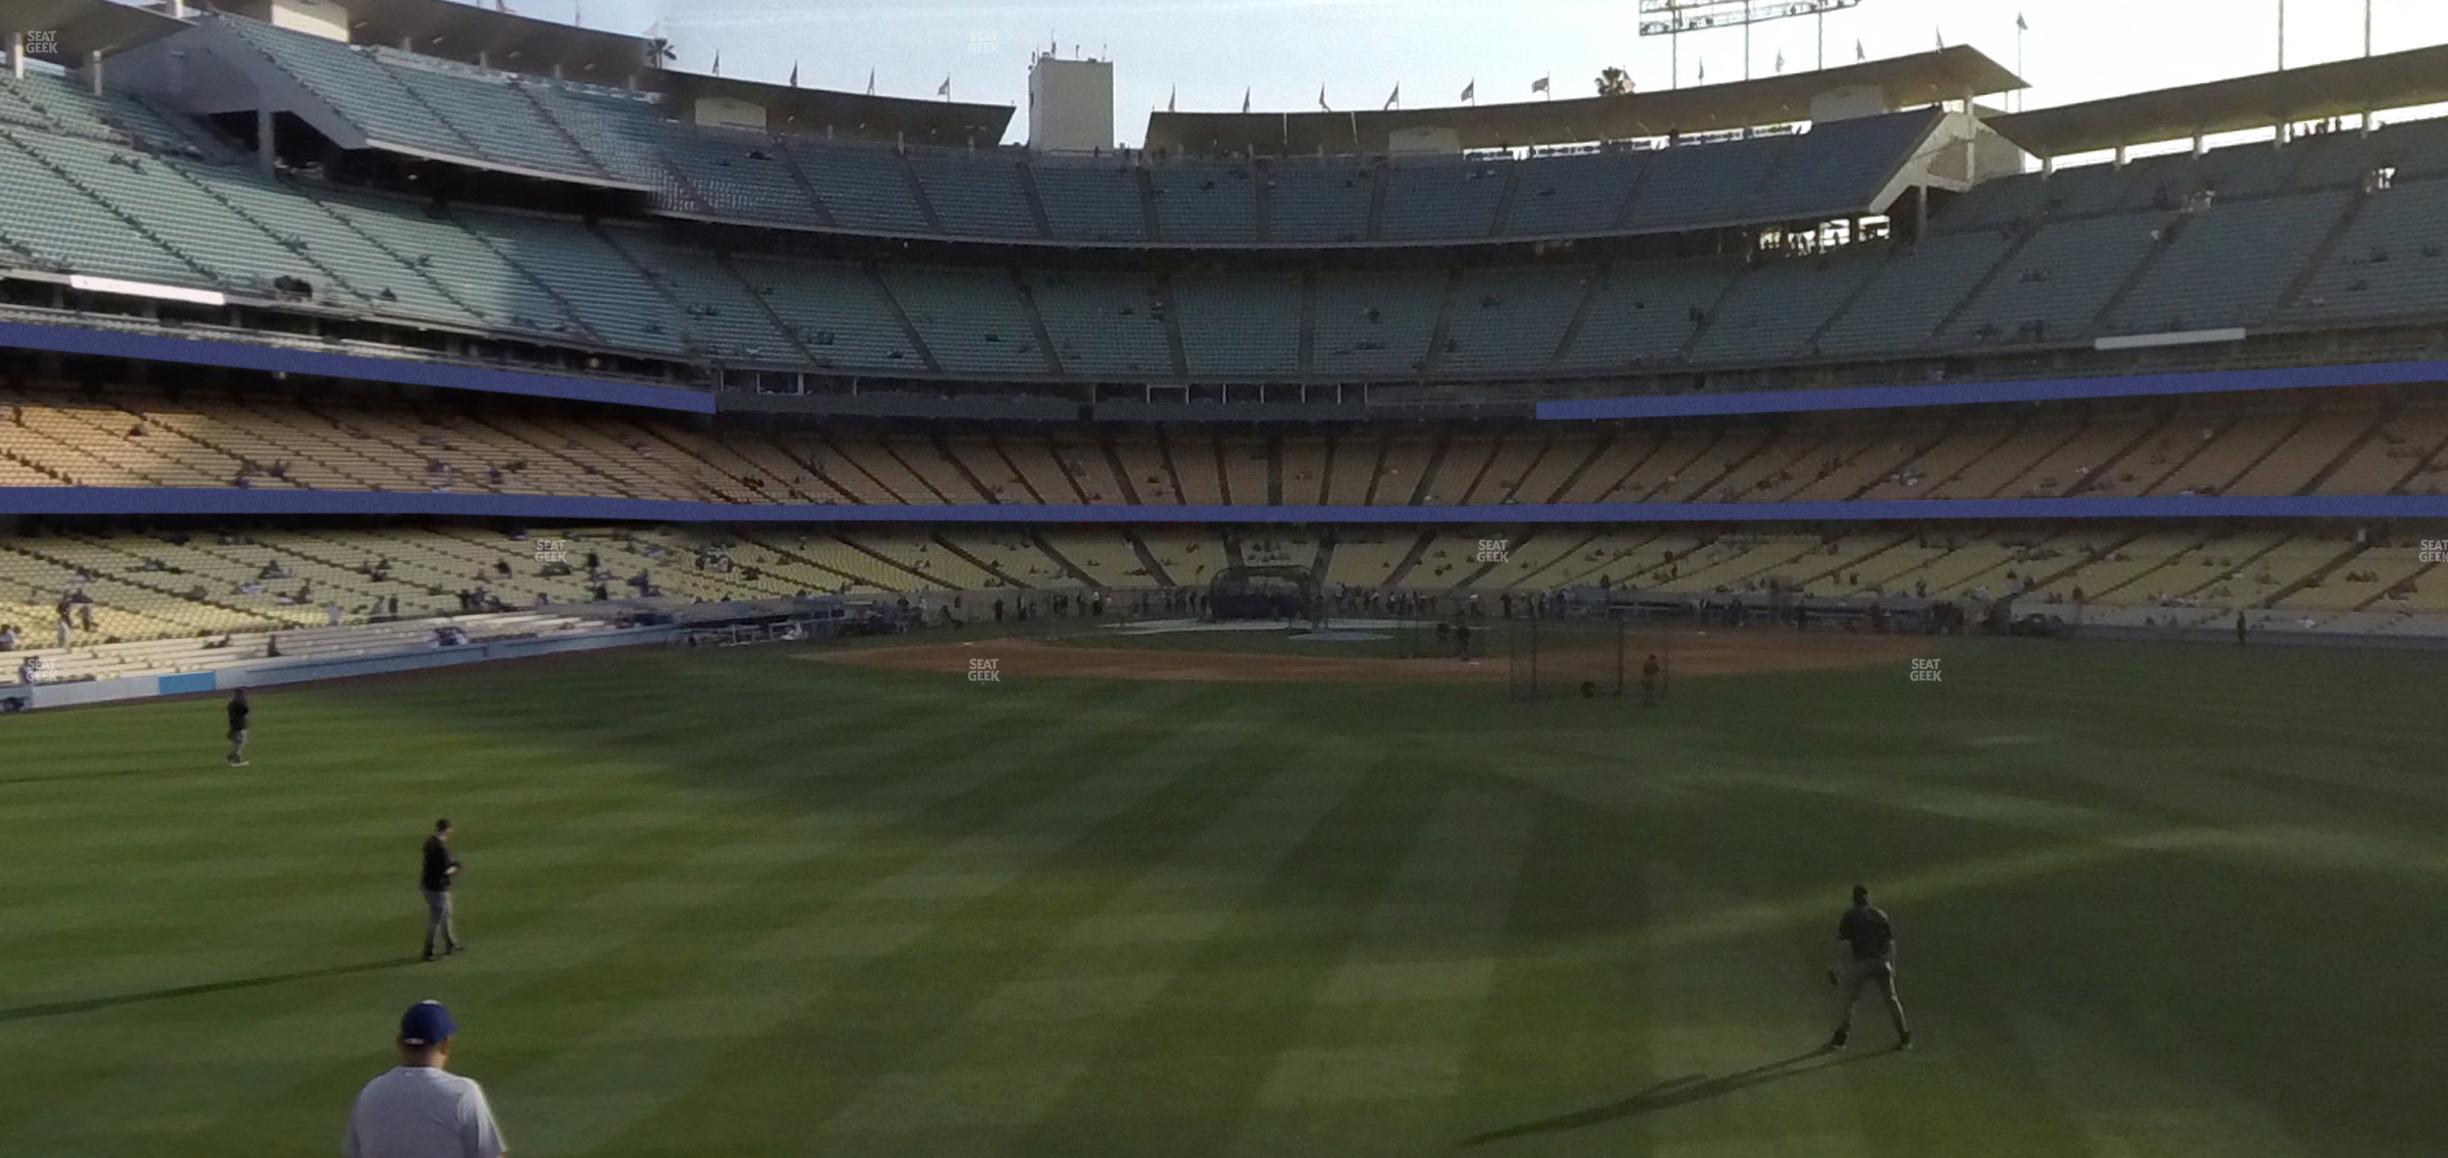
(2177, 900)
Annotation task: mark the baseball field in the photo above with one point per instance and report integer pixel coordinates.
(2173, 900)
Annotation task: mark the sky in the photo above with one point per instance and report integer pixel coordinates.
(1205, 53)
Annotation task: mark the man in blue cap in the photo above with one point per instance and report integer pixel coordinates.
(418, 1109)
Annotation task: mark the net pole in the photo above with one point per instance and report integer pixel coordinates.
(1537, 644)
(1620, 628)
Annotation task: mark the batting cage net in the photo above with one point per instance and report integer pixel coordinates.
(1595, 655)
(1263, 593)
(1429, 627)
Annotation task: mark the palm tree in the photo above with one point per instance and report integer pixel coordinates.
(1613, 81)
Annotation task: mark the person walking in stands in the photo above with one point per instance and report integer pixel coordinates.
(1869, 960)
(239, 710)
(418, 1109)
(435, 882)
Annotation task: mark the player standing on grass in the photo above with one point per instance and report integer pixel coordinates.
(418, 1109)
(238, 712)
(1869, 960)
(435, 883)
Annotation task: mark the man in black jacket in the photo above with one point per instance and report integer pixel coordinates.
(238, 713)
(435, 882)
(1869, 960)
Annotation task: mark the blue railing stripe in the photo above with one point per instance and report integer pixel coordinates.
(104, 501)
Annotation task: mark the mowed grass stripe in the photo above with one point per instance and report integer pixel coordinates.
(957, 779)
(857, 1032)
(1187, 1068)
(564, 927)
(991, 1073)
(647, 855)
(1392, 1024)
(2139, 915)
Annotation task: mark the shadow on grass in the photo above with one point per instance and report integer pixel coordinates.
(1682, 1091)
(52, 777)
(86, 1005)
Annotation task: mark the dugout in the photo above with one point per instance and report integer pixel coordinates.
(1263, 593)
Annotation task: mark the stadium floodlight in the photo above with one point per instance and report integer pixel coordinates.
(1681, 16)
(1673, 18)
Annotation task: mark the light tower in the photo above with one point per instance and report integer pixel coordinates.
(1672, 18)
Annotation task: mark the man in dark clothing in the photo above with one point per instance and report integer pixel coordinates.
(1869, 959)
(435, 882)
(238, 712)
(1649, 681)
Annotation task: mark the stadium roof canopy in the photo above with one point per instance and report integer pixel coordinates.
(82, 27)
(2340, 88)
(1903, 82)
(454, 30)
(850, 114)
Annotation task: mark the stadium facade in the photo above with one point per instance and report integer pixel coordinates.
(307, 333)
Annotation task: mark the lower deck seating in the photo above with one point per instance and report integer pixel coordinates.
(204, 591)
(2342, 443)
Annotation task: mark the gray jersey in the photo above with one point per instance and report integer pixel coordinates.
(421, 1112)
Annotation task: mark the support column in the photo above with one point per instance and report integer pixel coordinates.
(2201, 144)
(16, 54)
(266, 148)
(93, 71)
(2123, 154)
